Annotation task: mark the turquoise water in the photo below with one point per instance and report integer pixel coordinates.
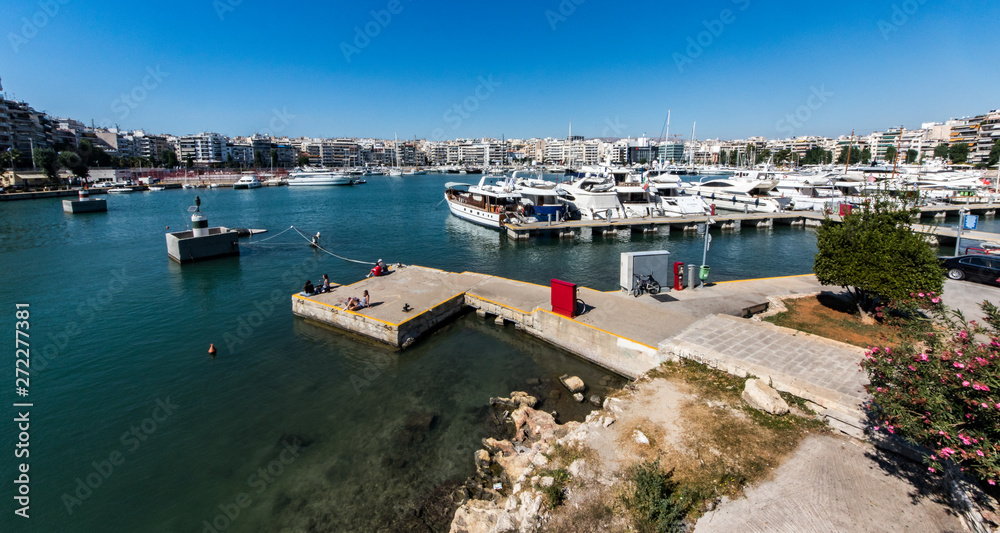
(293, 425)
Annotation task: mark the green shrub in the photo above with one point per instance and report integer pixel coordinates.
(654, 500)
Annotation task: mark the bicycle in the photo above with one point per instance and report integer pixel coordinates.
(645, 284)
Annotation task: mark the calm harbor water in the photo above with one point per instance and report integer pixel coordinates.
(293, 425)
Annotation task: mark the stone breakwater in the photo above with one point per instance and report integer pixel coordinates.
(508, 492)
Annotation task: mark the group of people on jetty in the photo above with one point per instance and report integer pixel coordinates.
(353, 303)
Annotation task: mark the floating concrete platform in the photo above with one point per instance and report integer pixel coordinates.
(85, 206)
(184, 247)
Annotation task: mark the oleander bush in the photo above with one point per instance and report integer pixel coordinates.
(942, 391)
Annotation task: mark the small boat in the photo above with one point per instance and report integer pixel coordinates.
(157, 188)
(213, 185)
(247, 182)
(120, 189)
(318, 177)
(188, 186)
(491, 203)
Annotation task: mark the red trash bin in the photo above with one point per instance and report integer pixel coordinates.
(564, 298)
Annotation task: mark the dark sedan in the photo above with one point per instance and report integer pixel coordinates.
(981, 268)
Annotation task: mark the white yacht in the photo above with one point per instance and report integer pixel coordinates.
(741, 195)
(318, 177)
(491, 203)
(248, 182)
(591, 197)
(673, 197)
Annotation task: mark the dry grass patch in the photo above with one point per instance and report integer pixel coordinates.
(831, 316)
(728, 445)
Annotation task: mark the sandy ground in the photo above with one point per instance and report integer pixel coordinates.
(834, 483)
(829, 483)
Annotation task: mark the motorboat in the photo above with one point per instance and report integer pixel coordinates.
(120, 188)
(493, 202)
(672, 196)
(318, 177)
(539, 198)
(591, 197)
(248, 182)
(741, 195)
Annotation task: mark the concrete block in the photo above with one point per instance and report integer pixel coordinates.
(762, 397)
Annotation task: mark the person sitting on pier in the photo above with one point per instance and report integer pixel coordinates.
(353, 304)
(326, 284)
(379, 269)
(308, 289)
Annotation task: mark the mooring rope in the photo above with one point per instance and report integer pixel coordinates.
(309, 240)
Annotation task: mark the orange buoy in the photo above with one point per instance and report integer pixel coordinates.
(211, 350)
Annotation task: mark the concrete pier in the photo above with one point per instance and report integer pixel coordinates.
(85, 206)
(605, 334)
(184, 247)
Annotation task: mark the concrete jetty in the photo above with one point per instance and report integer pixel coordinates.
(607, 332)
(730, 221)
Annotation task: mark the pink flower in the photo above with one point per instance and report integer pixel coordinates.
(965, 383)
(930, 469)
(980, 453)
(936, 300)
(920, 295)
(956, 364)
(923, 357)
(991, 482)
(912, 367)
(946, 451)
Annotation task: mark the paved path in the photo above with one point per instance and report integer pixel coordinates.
(833, 484)
(807, 366)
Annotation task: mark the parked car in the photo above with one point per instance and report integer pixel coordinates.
(981, 268)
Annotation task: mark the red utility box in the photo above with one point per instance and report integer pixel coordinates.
(678, 276)
(564, 298)
(845, 209)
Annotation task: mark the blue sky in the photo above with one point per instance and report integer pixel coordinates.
(521, 69)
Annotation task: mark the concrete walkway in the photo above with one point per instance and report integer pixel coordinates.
(833, 484)
(817, 369)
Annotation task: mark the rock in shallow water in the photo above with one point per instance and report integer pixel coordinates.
(573, 383)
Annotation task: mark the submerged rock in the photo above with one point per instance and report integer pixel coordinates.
(295, 442)
(573, 383)
(516, 400)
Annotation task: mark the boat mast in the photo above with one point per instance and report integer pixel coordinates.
(849, 148)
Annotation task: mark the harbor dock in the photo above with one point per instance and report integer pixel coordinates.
(727, 221)
(605, 333)
(627, 335)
